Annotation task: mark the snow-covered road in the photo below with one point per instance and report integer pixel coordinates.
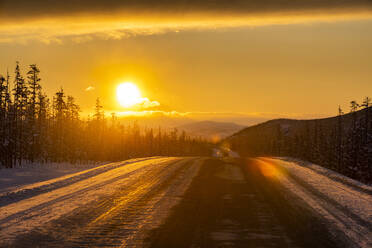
(263, 202)
(112, 204)
(345, 204)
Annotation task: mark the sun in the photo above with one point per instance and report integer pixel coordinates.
(128, 94)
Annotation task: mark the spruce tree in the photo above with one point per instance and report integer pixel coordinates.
(20, 93)
(33, 91)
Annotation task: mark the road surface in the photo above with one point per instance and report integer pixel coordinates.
(190, 202)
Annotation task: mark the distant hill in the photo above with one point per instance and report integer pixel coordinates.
(342, 143)
(211, 129)
(152, 121)
(292, 127)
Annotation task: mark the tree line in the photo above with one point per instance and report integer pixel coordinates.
(342, 143)
(36, 128)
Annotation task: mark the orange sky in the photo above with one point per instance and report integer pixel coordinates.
(285, 63)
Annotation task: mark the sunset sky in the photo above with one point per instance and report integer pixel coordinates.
(231, 60)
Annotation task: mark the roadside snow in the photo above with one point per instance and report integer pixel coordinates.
(345, 203)
(331, 174)
(20, 183)
(28, 174)
(43, 206)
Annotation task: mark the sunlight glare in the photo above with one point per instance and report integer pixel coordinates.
(128, 94)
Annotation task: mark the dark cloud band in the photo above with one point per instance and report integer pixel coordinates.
(12, 9)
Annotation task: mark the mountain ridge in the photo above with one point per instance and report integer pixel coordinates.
(342, 143)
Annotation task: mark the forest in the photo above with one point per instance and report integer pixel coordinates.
(37, 129)
(342, 143)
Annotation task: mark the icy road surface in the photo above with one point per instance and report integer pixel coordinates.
(345, 204)
(190, 202)
(108, 205)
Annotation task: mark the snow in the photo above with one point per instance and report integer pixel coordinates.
(331, 174)
(12, 180)
(343, 202)
(30, 206)
(33, 196)
(32, 173)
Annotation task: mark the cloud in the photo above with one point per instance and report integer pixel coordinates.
(151, 113)
(147, 104)
(243, 118)
(21, 9)
(83, 20)
(89, 88)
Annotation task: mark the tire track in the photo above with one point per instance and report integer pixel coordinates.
(327, 202)
(20, 217)
(116, 219)
(26, 192)
(325, 172)
(346, 225)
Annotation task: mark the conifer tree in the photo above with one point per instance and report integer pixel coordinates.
(32, 128)
(366, 104)
(59, 127)
(33, 92)
(34, 88)
(20, 93)
(2, 116)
